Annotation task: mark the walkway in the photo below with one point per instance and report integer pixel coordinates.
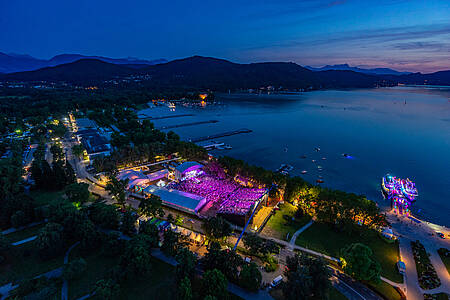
(12, 230)
(296, 234)
(65, 288)
(31, 238)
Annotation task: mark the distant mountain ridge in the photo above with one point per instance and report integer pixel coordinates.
(346, 67)
(11, 63)
(202, 72)
(219, 74)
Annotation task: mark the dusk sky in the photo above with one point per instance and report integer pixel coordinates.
(404, 35)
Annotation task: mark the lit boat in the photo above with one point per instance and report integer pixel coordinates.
(409, 189)
(319, 181)
(304, 172)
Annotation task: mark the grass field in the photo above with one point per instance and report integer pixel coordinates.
(97, 267)
(279, 227)
(385, 289)
(24, 262)
(25, 233)
(445, 259)
(44, 197)
(322, 238)
(159, 284)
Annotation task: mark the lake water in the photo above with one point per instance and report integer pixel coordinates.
(381, 132)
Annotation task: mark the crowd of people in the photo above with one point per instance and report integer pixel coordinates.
(226, 194)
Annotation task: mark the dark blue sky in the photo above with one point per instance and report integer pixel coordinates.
(409, 35)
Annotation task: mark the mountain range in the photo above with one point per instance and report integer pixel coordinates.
(10, 63)
(346, 67)
(218, 74)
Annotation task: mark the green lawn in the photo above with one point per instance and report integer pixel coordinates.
(45, 197)
(279, 227)
(159, 284)
(24, 262)
(322, 238)
(445, 259)
(25, 233)
(385, 289)
(97, 266)
(336, 295)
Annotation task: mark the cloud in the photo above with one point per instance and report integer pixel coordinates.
(423, 45)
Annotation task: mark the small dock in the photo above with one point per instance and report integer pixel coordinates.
(187, 124)
(165, 117)
(219, 135)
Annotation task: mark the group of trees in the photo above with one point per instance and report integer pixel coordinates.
(17, 208)
(306, 278)
(55, 176)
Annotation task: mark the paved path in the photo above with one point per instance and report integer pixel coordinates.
(296, 234)
(65, 286)
(12, 230)
(31, 238)
(425, 232)
(5, 289)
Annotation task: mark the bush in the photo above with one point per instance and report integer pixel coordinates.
(271, 263)
(74, 269)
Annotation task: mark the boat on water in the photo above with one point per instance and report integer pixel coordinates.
(409, 188)
(401, 192)
(324, 158)
(303, 156)
(319, 181)
(304, 172)
(317, 149)
(285, 169)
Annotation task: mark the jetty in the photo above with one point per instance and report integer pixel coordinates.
(164, 117)
(219, 135)
(187, 124)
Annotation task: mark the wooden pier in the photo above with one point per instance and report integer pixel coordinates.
(187, 124)
(219, 135)
(166, 117)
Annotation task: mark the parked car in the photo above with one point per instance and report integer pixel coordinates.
(401, 267)
(276, 281)
(441, 235)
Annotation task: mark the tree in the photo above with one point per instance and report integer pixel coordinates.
(104, 215)
(117, 188)
(128, 223)
(307, 278)
(5, 244)
(113, 245)
(136, 260)
(77, 192)
(227, 261)
(151, 206)
(78, 150)
(57, 152)
(358, 261)
(217, 228)
(50, 240)
(215, 284)
(172, 242)
(185, 289)
(186, 263)
(106, 289)
(250, 277)
(151, 231)
(74, 269)
(254, 243)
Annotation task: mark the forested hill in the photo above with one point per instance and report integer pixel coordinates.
(218, 74)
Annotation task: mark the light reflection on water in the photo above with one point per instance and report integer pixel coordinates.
(380, 132)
